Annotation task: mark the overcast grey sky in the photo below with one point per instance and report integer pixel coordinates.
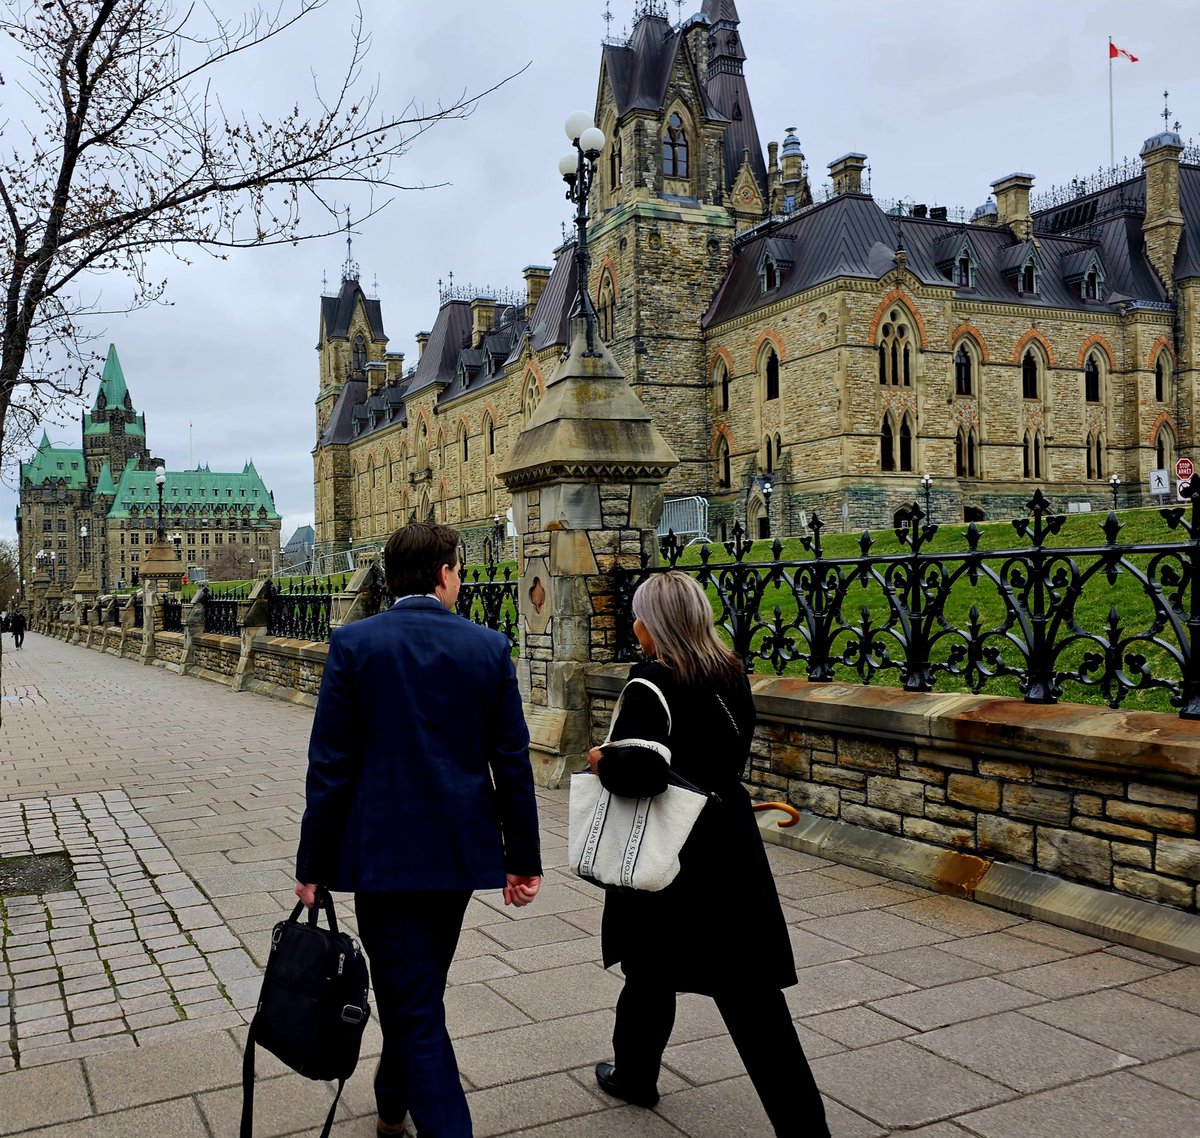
(944, 96)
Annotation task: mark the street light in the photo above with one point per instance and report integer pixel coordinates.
(252, 577)
(927, 486)
(768, 490)
(83, 531)
(175, 539)
(1115, 483)
(578, 171)
(160, 477)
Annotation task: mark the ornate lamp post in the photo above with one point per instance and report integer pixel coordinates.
(83, 557)
(1115, 483)
(176, 538)
(578, 170)
(768, 489)
(927, 486)
(160, 477)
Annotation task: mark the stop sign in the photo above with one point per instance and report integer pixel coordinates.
(1183, 469)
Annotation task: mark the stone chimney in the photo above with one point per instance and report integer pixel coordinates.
(846, 173)
(695, 35)
(395, 366)
(422, 341)
(1163, 226)
(536, 277)
(483, 316)
(1012, 204)
(774, 183)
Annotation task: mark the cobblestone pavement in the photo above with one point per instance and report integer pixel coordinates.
(177, 802)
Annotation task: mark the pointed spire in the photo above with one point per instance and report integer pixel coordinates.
(105, 484)
(112, 382)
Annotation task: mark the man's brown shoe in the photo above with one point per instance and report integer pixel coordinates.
(390, 1129)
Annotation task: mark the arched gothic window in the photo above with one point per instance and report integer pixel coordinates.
(771, 375)
(360, 353)
(963, 368)
(768, 456)
(489, 433)
(1162, 378)
(530, 399)
(895, 351)
(675, 148)
(1090, 285)
(616, 173)
(722, 385)
(1029, 375)
(724, 473)
(1091, 380)
(966, 453)
(906, 447)
(887, 446)
(1029, 278)
(464, 444)
(770, 274)
(1164, 448)
(607, 308)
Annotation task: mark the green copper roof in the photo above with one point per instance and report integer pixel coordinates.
(51, 463)
(201, 490)
(112, 382)
(105, 484)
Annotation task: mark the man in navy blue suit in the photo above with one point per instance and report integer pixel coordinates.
(419, 791)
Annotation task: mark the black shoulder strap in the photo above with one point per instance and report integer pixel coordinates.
(247, 1129)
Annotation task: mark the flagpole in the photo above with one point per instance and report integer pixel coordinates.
(1112, 154)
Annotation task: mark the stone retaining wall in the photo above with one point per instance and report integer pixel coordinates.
(1101, 797)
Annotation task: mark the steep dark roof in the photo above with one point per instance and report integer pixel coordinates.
(548, 325)
(640, 69)
(850, 236)
(451, 333)
(1187, 260)
(340, 427)
(726, 85)
(337, 312)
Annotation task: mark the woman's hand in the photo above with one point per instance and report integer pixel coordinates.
(594, 757)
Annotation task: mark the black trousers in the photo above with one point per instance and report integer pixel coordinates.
(19, 638)
(410, 940)
(762, 1031)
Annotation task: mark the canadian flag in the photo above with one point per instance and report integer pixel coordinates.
(1114, 52)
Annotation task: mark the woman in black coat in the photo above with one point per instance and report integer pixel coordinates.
(717, 929)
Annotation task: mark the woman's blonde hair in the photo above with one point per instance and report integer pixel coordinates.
(676, 612)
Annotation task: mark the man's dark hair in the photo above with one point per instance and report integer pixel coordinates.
(413, 556)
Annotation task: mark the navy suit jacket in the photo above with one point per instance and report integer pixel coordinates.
(418, 765)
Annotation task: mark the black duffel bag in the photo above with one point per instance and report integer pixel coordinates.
(313, 1007)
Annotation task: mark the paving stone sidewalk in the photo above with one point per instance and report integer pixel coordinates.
(177, 802)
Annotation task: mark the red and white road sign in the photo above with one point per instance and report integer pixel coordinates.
(1183, 469)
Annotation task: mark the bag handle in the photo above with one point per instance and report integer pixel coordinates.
(324, 901)
(621, 699)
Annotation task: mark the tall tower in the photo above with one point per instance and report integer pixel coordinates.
(113, 432)
(662, 230)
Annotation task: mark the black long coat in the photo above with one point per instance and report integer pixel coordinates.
(718, 925)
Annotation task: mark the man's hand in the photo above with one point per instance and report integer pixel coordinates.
(594, 756)
(307, 894)
(520, 890)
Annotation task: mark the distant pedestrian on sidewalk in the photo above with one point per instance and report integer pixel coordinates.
(419, 791)
(17, 623)
(718, 928)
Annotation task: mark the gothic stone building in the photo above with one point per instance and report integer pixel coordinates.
(108, 486)
(798, 355)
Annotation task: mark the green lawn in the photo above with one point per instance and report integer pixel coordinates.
(878, 597)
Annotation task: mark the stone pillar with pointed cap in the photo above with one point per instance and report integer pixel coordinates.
(586, 475)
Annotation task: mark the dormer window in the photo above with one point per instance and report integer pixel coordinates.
(770, 274)
(675, 148)
(1090, 284)
(1028, 278)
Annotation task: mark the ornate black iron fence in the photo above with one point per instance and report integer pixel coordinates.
(172, 614)
(979, 616)
(301, 608)
(488, 595)
(221, 608)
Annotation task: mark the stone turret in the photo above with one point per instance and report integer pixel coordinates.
(1163, 226)
(847, 172)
